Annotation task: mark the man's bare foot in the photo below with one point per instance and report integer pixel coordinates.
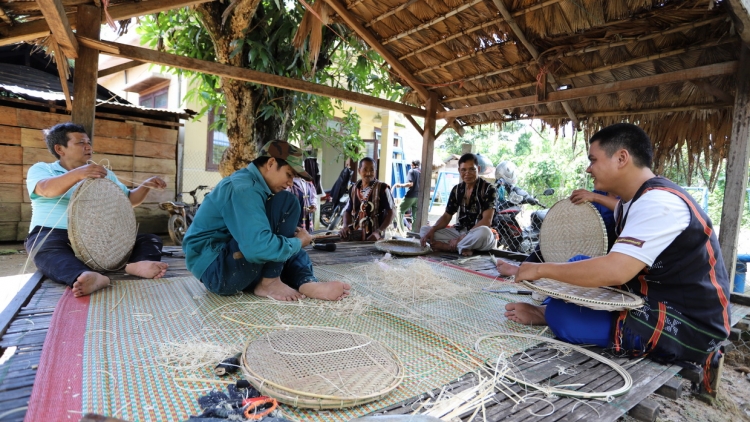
(89, 282)
(276, 289)
(147, 269)
(524, 313)
(330, 290)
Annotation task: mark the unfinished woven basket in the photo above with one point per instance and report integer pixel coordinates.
(101, 225)
(321, 368)
(569, 230)
(600, 298)
(402, 247)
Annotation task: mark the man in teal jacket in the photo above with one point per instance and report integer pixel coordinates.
(245, 237)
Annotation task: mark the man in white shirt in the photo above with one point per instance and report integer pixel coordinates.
(666, 251)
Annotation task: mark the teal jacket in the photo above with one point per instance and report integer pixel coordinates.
(236, 208)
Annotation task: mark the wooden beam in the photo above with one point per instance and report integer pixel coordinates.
(428, 152)
(151, 56)
(739, 10)
(737, 165)
(446, 126)
(609, 67)
(718, 69)
(535, 54)
(39, 28)
(415, 124)
(373, 42)
(119, 68)
(716, 92)
(87, 63)
(54, 14)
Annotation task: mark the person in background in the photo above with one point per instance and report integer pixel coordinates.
(305, 193)
(474, 199)
(50, 186)
(666, 251)
(412, 195)
(370, 209)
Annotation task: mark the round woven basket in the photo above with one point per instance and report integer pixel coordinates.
(322, 368)
(101, 225)
(402, 247)
(599, 298)
(569, 230)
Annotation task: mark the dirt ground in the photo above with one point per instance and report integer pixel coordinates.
(733, 403)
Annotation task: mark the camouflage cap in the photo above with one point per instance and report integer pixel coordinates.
(285, 151)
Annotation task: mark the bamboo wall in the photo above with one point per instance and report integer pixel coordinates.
(135, 150)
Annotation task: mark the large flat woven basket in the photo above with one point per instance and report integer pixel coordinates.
(323, 368)
(101, 225)
(600, 298)
(402, 247)
(569, 230)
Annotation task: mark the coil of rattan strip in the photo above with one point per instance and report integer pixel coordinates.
(321, 368)
(569, 230)
(101, 225)
(600, 298)
(402, 247)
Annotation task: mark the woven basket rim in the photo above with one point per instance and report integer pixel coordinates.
(295, 398)
(385, 246)
(634, 303)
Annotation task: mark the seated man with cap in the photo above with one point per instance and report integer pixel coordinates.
(666, 251)
(474, 199)
(245, 237)
(50, 186)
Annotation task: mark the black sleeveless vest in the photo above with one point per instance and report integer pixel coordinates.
(686, 290)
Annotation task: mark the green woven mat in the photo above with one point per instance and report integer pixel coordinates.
(129, 323)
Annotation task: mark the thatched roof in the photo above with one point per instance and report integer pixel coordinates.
(666, 65)
(468, 54)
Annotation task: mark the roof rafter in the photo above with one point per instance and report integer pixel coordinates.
(613, 66)
(39, 28)
(478, 27)
(432, 22)
(54, 14)
(242, 74)
(373, 42)
(534, 53)
(550, 56)
(719, 69)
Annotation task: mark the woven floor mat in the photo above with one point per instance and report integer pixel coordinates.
(132, 323)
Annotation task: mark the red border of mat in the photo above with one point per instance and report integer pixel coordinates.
(57, 393)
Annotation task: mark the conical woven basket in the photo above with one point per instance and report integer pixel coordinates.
(569, 230)
(322, 368)
(101, 225)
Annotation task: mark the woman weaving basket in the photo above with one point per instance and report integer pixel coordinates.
(50, 188)
(666, 252)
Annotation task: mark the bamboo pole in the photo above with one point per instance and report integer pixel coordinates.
(391, 12)
(432, 22)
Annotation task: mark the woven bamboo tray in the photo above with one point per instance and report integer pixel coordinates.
(569, 230)
(321, 368)
(600, 298)
(101, 225)
(402, 247)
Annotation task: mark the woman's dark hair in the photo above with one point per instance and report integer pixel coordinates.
(58, 135)
(629, 137)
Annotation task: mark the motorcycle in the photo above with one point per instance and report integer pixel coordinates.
(330, 212)
(181, 214)
(513, 236)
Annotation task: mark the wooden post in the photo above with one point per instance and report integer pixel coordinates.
(86, 69)
(428, 150)
(737, 164)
